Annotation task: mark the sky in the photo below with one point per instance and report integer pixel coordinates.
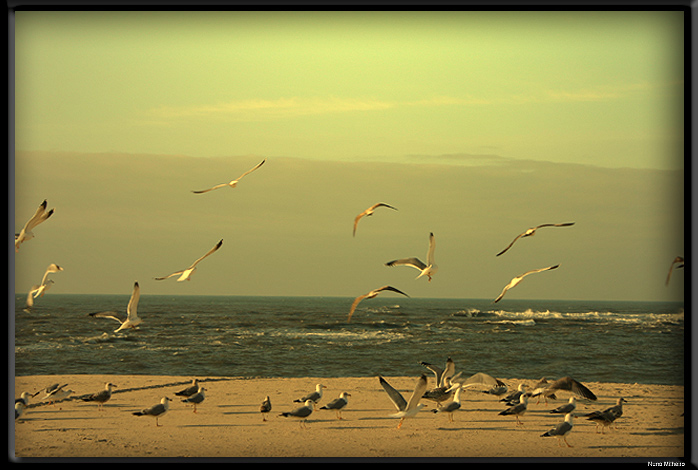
(475, 125)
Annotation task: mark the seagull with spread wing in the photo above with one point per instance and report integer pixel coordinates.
(26, 233)
(369, 212)
(232, 183)
(532, 231)
(428, 269)
(514, 282)
(406, 409)
(371, 295)
(132, 319)
(184, 275)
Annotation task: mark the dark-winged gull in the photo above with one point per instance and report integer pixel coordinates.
(185, 274)
(312, 396)
(197, 398)
(301, 413)
(101, 397)
(442, 389)
(428, 269)
(514, 282)
(453, 405)
(371, 295)
(232, 183)
(406, 409)
(561, 430)
(48, 389)
(190, 390)
(58, 394)
(155, 411)
(19, 409)
(440, 374)
(26, 233)
(517, 410)
(369, 212)
(677, 263)
(530, 232)
(606, 417)
(514, 397)
(565, 383)
(338, 404)
(265, 407)
(568, 407)
(132, 319)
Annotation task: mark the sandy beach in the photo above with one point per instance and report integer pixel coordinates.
(229, 424)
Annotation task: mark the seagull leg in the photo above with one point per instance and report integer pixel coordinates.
(399, 425)
(565, 439)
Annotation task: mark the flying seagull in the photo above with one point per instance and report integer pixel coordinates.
(338, 404)
(428, 269)
(26, 233)
(406, 409)
(132, 319)
(368, 212)
(371, 295)
(156, 411)
(530, 232)
(561, 430)
(46, 283)
(565, 383)
(518, 279)
(186, 273)
(233, 183)
(678, 259)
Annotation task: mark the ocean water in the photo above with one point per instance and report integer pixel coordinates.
(204, 336)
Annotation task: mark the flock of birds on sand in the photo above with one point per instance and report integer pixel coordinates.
(446, 394)
(448, 384)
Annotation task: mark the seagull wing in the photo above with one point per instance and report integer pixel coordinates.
(358, 217)
(132, 308)
(38, 217)
(418, 393)
(107, 314)
(253, 169)
(678, 259)
(480, 378)
(438, 371)
(177, 273)
(413, 262)
(395, 396)
(510, 244)
(211, 251)
(52, 268)
(569, 384)
(538, 270)
(504, 291)
(222, 185)
(566, 224)
(392, 289)
(354, 304)
(430, 252)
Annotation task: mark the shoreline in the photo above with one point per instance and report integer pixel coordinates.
(228, 424)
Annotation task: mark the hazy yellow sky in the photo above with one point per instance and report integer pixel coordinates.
(476, 125)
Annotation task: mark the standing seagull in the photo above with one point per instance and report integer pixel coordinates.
(517, 410)
(568, 407)
(300, 413)
(428, 269)
(371, 295)
(531, 231)
(678, 259)
(26, 233)
(453, 406)
(312, 396)
(186, 273)
(406, 409)
(190, 390)
(101, 397)
(265, 407)
(156, 411)
(197, 398)
(369, 212)
(132, 319)
(518, 279)
(338, 404)
(233, 183)
(561, 430)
